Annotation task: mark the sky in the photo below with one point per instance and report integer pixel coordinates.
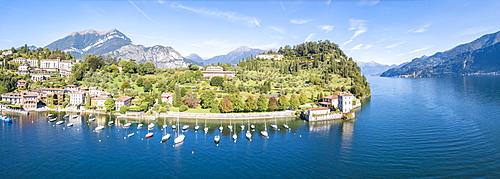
(385, 31)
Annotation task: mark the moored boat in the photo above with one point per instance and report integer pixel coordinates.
(139, 126)
(151, 126)
(149, 135)
(98, 128)
(59, 122)
(179, 139)
(127, 125)
(217, 138)
(69, 124)
(165, 137)
(235, 136)
(131, 134)
(185, 127)
(6, 119)
(286, 126)
(248, 135)
(52, 120)
(274, 126)
(111, 123)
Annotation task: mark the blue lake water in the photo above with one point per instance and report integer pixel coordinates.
(430, 127)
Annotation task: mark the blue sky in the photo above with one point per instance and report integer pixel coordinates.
(389, 32)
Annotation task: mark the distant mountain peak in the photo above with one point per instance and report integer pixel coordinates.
(92, 31)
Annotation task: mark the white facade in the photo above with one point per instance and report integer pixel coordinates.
(345, 102)
(49, 63)
(76, 98)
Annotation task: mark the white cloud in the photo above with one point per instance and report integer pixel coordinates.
(472, 31)
(368, 46)
(420, 29)
(345, 43)
(308, 38)
(300, 21)
(368, 2)
(358, 25)
(227, 15)
(142, 12)
(395, 45)
(6, 40)
(160, 1)
(326, 28)
(278, 29)
(401, 54)
(423, 48)
(357, 47)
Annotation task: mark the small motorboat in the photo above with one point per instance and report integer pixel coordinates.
(264, 134)
(131, 134)
(139, 126)
(242, 127)
(52, 120)
(92, 119)
(149, 135)
(69, 124)
(59, 122)
(151, 126)
(110, 123)
(179, 139)
(216, 139)
(252, 126)
(165, 126)
(197, 127)
(98, 128)
(49, 115)
(185, 127)
(174, 126)
(6, 119)
(127, 125)
(286, 126)
(66, 116)
(165, 137)
(235, 136)
(274, 126)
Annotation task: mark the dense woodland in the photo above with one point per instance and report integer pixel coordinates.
(308, 72)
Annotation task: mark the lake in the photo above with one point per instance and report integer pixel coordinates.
(428, 127)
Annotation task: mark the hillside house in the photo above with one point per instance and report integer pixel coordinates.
(122, 101)
(270, 56)
(166, 98)
(217, 71)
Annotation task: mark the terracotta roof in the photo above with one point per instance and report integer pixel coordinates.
(346, 94)
(21, 80)
(317, 109)
(101, 98)
(123, 98)
(332, 97)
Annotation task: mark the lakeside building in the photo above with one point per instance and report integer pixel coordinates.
(98, 102)
(330, 101)
(25, 99)
(217, 71)
(76, 98)
(270, 56)
(122, 101)
(345, 102)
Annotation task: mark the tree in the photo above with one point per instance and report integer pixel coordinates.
(191, 100)
(302, 98)
(217, 81)
(283, 102)
(250, 104)
(225, 105)
(183, 108)
(262, 103)
(237, 102)
(273, 104)
(177, 97)
(207, 99)
(161, 86)
(194, 67)
(139, 82)
(123, 109)
(147, 85)
(110, 104)
(294, 102)
(88, 101)
(125, 85)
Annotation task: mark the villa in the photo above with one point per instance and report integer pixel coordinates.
(217, 71)
(270, 56)
(122, 101)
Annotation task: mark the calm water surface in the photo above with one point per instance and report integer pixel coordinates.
(431, 127)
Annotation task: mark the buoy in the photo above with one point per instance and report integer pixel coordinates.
(99, 140)
(300, 135)
(124, 137)
(192, 152)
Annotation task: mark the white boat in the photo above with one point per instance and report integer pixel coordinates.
(242, 127)
(179, 139)
(52, 120)
(131, 134)
(196, 128)
(217, 138)
(248, 135)
(165, 137)
(69, 124)
(274, 126)
(66, 116)
(49, 115)
(111, 123)
(230, 127)
(151, 126)
(286, 126)
(185, 127)
(92, 119)
(252, 126)
(205, 129)
(165, 126)
(221, 128)
(174, 126)
(264, 132)
(149, 135)
(235, 136)
(139, 126)
(98, 128)
(59, 122)
(75, 116)
(127, 125)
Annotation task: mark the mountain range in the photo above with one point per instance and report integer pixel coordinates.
(479, 56)
(373, 68)
(114, 43)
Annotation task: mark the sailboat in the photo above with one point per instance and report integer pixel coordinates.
(286, 125)
(98, 128)
(264, 132)
(180, 137)
(151, 126)
(235, 137)
(221, 128)
(197, 127)
(274, 126)
(248, 134)
(127, 125)
(139, 126)
(206, 128)
(69, 124)
(217, 139)
(165, 137)
(185, 127)
(242, 127)
(59, 122)
(230, 127)
(165, 123)
(149, 135)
